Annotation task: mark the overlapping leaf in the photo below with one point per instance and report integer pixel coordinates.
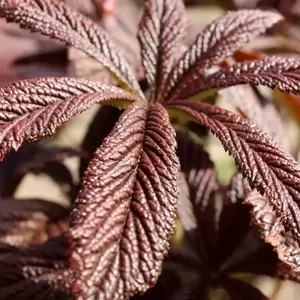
(125, 212)
(198, 182)
(217, 238)
(218, 40)
(30, 221)
(278, 72)
(260, 110)
(35, 273)
(34, 109)
(161, 31)
(54, 19)
(272, 171)
(270, 226)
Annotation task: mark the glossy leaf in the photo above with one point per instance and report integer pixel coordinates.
(125, 212)
(30, 221)
(34, 109)
(54, 19)
(269, 169)
(161, 32)
(278, 72)
(217, 41)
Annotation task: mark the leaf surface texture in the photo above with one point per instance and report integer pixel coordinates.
(125, 212)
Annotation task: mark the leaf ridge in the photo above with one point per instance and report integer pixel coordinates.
(56, 20)
(161, 31)
(126, 196)
(217, 41)
(254, 164)
(272, 71)
(31, 123)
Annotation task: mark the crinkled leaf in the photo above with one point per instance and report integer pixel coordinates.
(272, 230)
(162, 28)
(25, 222)
(278, 72)
(217, 41)
(125, 212)
(34, 109)
(82, 65)
(54, 19)
(268, 168)
(36, 273)
(260, 110)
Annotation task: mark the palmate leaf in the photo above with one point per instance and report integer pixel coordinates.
(125, 212)
(217, 41)
(161, 32)
(34, 109)
(54, 19)
(30, 221)
(39, 272)
(272, 171)
(278, 72)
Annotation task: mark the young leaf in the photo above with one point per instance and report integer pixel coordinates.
(54, 19)
(269, 169)
(272, 71)
(217, 41)
(125, 212)
(33, 109)
(161, 31)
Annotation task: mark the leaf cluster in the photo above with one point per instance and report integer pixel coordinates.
(143, 169)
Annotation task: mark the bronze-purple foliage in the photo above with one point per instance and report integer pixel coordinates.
(124, 215)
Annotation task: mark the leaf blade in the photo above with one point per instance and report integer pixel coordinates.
(261, 161)
(272, 71)
(217, 41)
(34, 109)
(161, 30)
(130, 185)
(53, 18)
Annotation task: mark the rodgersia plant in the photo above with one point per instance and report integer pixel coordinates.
(124, 215)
